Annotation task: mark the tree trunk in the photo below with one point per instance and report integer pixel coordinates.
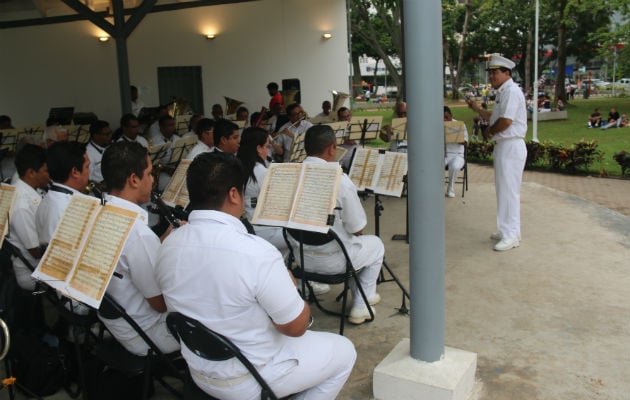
(356, 76)
(460, 57)
(529, 60)
(561, 92)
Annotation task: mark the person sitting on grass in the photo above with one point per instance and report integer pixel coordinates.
(613, 119)
(595, 119)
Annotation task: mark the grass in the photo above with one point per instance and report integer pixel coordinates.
(566, 132)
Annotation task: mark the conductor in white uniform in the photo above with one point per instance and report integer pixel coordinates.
(508, 126)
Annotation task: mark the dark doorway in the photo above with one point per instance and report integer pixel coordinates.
(181, 82)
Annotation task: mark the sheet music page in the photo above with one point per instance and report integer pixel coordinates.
(399, 128)
(363, 167)
(277, 194)
(339, 153)
(454, 132)
(388, 178)
(298, 153)
(179, 148)
(64, 247)
(316, 197)
(7, 197)
(100, 254)
(176, 185)
(340, 129)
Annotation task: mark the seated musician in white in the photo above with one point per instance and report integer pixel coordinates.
(388, 135)
(69, 169)
(365, 251)
(166, 137)
(296, 126)
(204, 130)
(454, 157)
(130, 130)
(127, 169)
(100, 136)
(345, 115)
(236, 284)
(32, 171)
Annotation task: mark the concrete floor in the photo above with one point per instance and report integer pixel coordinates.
(549, 320)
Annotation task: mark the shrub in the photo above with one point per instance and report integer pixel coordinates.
(623, 159)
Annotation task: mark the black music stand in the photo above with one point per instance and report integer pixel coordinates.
(404, 236)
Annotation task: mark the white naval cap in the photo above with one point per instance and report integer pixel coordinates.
(496, 62)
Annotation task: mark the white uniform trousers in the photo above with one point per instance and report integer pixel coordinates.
(366, 253)
(315, 366)
(509, 161)
(455, 163)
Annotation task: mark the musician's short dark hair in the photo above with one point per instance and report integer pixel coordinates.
(318, 138)
(254, 118)
(447, 109)
(210, 178)
(61, 157)
(163, 120)
(292, 107)
(192, 119)
(126, 119)
(342, 109)
(5, 120)
(97, 126)
(272, 86)
(241, 109)
(223, 128)
(120, 160)
(30, 156)
(204, 124)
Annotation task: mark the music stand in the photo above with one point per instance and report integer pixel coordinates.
(180, 149)
(367, 129)
(340, 129)
(63, 115)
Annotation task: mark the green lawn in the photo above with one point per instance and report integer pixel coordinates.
(565, 132)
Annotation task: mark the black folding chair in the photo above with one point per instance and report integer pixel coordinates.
(319, 239)
(154, 365)
(212, 346)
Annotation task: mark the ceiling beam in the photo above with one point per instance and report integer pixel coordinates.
(128, 11)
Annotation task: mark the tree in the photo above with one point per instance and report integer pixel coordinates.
(376, 24)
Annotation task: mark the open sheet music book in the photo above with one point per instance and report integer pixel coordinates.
(176, 192)
(7, 197)
(180, 148)
(378, 170)
(301, 196)
(454, 132)
(82, 254)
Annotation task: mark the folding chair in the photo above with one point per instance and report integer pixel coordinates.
(319, 239)
(212, 346)
(461, 178)
(114, 355)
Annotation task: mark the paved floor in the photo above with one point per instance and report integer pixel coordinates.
(549, 320)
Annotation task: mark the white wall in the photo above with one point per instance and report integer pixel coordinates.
(258, 42)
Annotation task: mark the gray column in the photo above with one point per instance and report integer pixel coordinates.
(121, 55)
(423, 71)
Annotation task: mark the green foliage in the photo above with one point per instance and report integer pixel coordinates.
(623, 159)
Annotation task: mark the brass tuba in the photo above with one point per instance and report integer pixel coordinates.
(339, 98)
(231, 105)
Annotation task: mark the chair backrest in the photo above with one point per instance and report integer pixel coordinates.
(110, 309)
(212, 346)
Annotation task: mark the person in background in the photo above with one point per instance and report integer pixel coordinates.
(454, 157)
(100, 137)
(136, 104)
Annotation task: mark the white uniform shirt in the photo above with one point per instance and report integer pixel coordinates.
(234, 283)
(199, 148)
(252, 189)
(510, 104)
(95, 154)
(138, 281)
(50, 211)
(351, 217)
(22, 231)
(285, 141)
(160, 140)
(138, 139)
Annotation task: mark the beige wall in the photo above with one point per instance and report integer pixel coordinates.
(270, 40)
